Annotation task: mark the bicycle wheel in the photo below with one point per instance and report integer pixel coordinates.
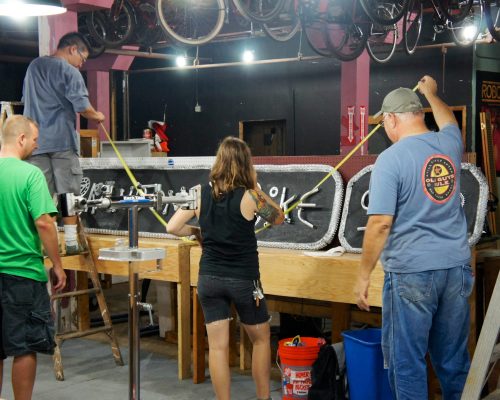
(191, 22)
(455, 10)
(316, 36)
(412, 25)
(259, 10)
(384, 12)
(492, 16)
(96, 48)
(381, 42)
(148, 29)
(466, 31)
(119, 27)
(313, 16)
(285, 25)
(346, 40)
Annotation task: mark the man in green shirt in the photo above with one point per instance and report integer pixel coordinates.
(26, 211)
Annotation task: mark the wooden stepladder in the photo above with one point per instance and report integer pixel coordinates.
(487, 352)
(91, 270)
(7, 109)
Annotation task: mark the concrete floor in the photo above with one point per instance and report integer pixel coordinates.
(90, 373)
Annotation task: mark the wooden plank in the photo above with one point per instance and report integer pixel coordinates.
(233, 347)
(184, 315)
(341, 320)
(246, 349)
(462, 122)
(89, 142)
(172, 266)
(82, 302)
(290, 273)
(489, 163)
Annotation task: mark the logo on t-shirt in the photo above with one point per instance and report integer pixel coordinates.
(439, 178)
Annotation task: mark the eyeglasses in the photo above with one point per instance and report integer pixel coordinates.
(84, 59)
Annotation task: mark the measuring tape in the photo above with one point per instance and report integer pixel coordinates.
(267, 225)
(336, 168)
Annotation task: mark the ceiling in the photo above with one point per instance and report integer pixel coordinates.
(18, 39)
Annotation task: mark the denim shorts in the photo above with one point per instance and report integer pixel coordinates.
(62, 171)
(25, 319)
(217, 293)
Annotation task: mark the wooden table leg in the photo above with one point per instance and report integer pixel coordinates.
(183, 329)
(198, 341)
(245, 350)
(233, 348)
(341, 320)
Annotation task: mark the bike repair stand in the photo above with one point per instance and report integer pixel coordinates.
(133, 255)
(71, 204)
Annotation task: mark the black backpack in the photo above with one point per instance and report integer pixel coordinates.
(328, 375)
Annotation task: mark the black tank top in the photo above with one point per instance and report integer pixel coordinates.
(229, 243)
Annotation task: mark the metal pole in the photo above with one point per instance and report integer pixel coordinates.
(133, 314)
(125, 107)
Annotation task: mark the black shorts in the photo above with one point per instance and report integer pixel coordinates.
(216, 294)
(26, 322)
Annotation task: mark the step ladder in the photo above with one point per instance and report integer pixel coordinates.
(487, 352)
(97, 290)
(7, 109)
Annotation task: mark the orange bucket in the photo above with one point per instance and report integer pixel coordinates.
(296, 366)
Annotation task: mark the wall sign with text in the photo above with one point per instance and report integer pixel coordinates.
(310, 226)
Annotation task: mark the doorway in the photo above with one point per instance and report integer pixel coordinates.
(265, 138)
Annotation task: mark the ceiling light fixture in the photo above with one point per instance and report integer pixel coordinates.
(469, 32)
(248, 56)
(181, 61)
(30, 8)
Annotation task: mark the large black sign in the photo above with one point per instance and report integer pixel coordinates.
(311, 225)
(474, 194)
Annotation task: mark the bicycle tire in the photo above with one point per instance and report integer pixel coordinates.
(285, 26)
(315, 34)
(412, 23)
(116, 33)
(455, 10)
(349, 46)
(492, 18)
(457, 29)
(376, 10)
(96, 48)
(148, 30)
(378, 48)
(176, 17)
(245, 7)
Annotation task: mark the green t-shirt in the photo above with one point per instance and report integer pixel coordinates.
(24, 197)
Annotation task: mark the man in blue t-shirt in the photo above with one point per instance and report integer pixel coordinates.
(54, 91)
(417, 227)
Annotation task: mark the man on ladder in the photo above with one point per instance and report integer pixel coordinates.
(54, 91)
(26, 211)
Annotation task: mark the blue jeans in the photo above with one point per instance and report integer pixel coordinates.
(426, 311)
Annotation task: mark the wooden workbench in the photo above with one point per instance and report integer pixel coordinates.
(175, 268)
(290, 273)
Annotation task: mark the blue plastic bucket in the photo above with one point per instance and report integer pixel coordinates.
(368, 380)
